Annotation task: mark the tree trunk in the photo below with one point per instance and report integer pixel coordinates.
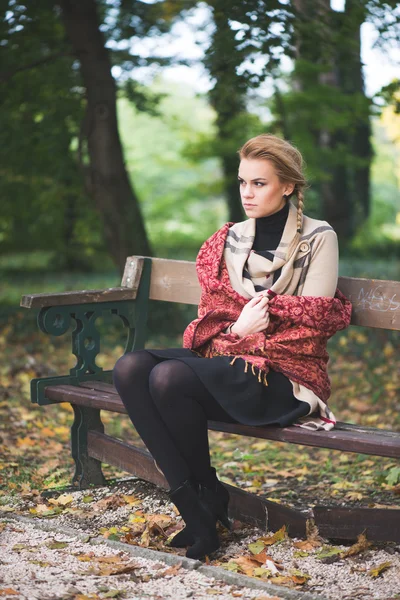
(227, 99)
(108, 179)
(352, 82)
(314, 43)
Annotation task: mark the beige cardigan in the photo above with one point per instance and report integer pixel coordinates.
(310, 270)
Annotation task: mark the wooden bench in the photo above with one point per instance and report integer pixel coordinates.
(89, 389)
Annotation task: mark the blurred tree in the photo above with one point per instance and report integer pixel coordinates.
(46, 131)
(106, 177)
(327, 111)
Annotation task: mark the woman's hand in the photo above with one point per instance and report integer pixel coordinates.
(253, 318)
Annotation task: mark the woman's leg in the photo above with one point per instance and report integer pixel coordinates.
(185, 406)
(131, 379)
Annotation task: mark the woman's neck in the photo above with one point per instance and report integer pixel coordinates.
(273, 223)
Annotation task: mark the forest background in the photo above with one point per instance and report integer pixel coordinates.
(102, 156)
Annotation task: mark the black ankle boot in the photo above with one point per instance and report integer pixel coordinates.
(216, 497)
(199, 519)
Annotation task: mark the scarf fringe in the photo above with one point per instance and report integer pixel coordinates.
(261, 376)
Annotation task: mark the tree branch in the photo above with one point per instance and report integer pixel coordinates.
(10, 74)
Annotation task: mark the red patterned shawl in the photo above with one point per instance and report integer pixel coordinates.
(294, 342)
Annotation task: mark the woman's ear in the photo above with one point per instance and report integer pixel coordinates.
(289, 190)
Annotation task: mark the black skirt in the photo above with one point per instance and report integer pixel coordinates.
(240, 394)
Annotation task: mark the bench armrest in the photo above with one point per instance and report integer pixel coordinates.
(78, 297)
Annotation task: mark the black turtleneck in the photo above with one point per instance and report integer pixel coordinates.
(269, 230)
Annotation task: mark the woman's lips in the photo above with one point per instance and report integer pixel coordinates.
(248, 205)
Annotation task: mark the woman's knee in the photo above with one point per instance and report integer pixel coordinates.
(164, 382)
(132, 365)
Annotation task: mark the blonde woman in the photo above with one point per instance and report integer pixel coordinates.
(256, 354)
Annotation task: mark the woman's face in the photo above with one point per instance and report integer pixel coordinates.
(261, 191)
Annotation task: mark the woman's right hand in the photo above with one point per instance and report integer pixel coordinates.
(253, 318)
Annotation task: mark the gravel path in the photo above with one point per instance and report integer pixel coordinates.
(72, 571)
(45, 565)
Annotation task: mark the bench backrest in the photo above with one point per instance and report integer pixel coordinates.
(376, 303)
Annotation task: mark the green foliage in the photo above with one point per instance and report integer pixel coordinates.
(379, 236)
(180, 189)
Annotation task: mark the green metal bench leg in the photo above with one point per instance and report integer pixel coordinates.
(87, 470)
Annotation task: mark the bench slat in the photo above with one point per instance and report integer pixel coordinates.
(349, 440)
(78, 297)
(376, 302)
(340, 425)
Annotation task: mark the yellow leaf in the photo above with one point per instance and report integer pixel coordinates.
(145, 539)
(136, 519)
(376, 571)
(260, 445)
(354, 496)
(62, 500)
(132, 500)
(278, 536)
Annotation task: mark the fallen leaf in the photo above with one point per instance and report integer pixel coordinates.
(307, 544)
(278, 536)
(256, 547)
(246, 564)
(361, 545)
(132, 500)
(57, 545)
(145, 538)
(87, 499)
(174, 570)
(376, 571)
(327, 552)
(62, 500)
(8, 592)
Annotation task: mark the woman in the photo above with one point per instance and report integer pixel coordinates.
(256, 354)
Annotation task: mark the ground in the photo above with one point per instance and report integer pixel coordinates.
(35, 457)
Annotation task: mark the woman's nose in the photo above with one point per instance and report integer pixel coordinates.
(247, 192)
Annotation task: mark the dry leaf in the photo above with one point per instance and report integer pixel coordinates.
(132, 500)
(171, 570)
(307, 545)
(256, 547)
(145, 538)
(361, 545)
(62, 500)
(278, 536)
(376, 571)
(8, 592)
(246, 564)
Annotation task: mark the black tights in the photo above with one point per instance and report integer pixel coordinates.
(169, 407)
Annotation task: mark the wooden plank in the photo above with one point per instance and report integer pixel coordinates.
(243, 506)
(376, 303)
(132, 272)
(84, 397)
(375, 443)
(348, 441)
(340, 425)
(171, 280)
(125, 456)
(78, 297)
(346, 523)
(100, 386)
(364, 429)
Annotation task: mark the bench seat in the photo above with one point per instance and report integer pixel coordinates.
(345, 436)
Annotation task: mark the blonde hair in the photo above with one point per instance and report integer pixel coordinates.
(288, 163)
